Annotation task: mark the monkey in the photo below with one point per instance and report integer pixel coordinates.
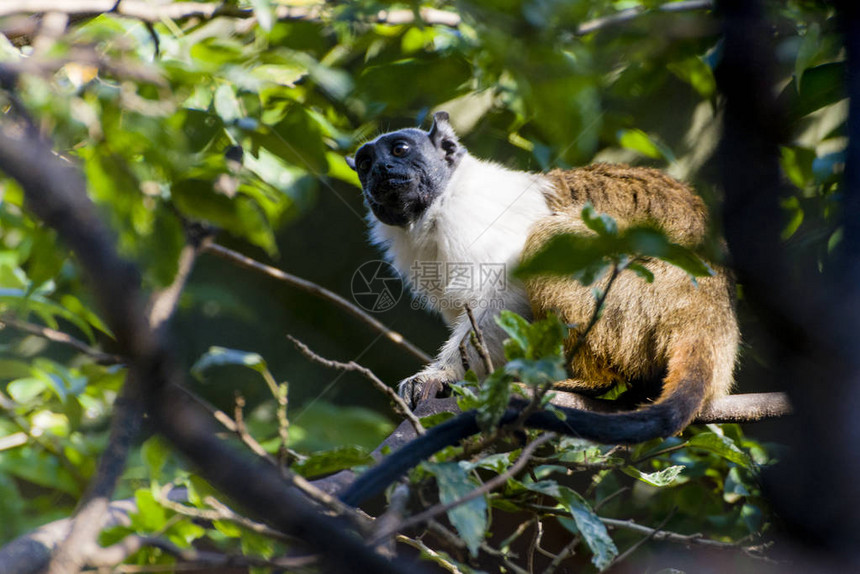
(433, 205)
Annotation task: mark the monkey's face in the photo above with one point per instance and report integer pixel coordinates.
(403, 172)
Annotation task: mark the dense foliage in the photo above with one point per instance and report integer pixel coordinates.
(238, 119)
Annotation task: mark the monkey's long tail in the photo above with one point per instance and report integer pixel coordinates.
(684, 390)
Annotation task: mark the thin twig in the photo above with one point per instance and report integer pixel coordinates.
(319, 291)
(437, 558)
(629, 14)
(157, 12)
(563, 554)
(603, 501)
(481, 343)
(279, 393)
(598, 308)
(634, 547)
(221, 512)
(400, 405)
(661, 535)
(392, 516)
(61, 338)
(297, 480)
(113, 555)
(485, 488)
(162, 304)
(464, 355)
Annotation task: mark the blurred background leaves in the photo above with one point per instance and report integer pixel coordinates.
(241, 121)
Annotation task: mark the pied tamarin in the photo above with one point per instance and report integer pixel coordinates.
(435, 207)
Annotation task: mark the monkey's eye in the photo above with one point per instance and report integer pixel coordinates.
(399, 149)
(364, 165)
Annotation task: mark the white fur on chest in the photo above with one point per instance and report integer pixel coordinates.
(473, 232)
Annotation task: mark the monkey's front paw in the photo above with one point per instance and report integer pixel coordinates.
(422, 386)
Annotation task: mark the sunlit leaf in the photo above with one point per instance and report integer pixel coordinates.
(661, 478)
(220, 356)
(470, 518)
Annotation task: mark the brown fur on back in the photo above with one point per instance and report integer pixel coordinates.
(659, 332)
(638, 195)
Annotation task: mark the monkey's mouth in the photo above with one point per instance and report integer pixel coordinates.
(396, 181)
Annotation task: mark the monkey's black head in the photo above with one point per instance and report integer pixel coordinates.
(402, 172)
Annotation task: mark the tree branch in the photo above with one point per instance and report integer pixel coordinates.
(56, 193)
(319, 291)
(400, 406)
(61, 338)
(744, 408)
(629, 14)
(485, 488)
(155, 13)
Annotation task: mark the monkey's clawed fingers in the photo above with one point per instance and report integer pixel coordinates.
(422, 386)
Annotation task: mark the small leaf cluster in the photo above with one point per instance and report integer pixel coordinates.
(589, 257)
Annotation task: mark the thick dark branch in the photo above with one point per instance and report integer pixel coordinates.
(56, 193)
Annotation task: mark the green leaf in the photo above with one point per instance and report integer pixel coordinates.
(311, 428)
(600, 223)
(13, 369)
(297, 139)
(419, 81)
(228, 529)
(226, 104)
(666, 477)
(470, 519)
(220, 356)
(723, 446)
(27, 389)
(641, 271)
(38, 467)
(263, 12)
(214, 52)
(809, 47)
(585, 258)
(46, 258)
(155, 453)
(653, 243)
(639, 141)
(537, 372)
(590, 527)
(516, 327)
(531, 341)
(431, 421)
(331, 461)
(697, 73)
(821, 86)
(47, 310)
(241, 216)
(150, 515)
(494, 395)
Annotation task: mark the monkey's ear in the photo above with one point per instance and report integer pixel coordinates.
(442, 137)
(350, 161)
